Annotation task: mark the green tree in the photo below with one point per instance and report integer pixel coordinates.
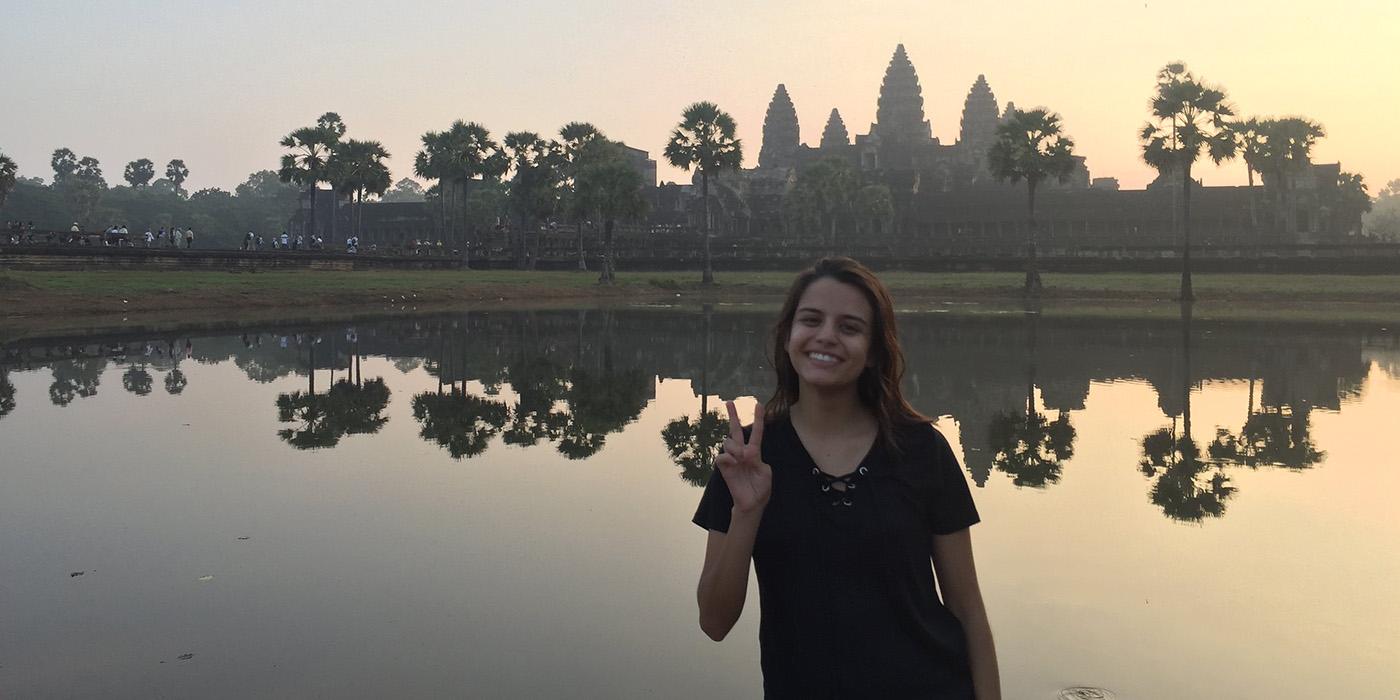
(431, 163)
(1031, 146)
(8, 170)
(1251, 138)
(139, 172)
(64, 163)
(874, 206)
(610, 186)
(470, 155)
(1383, 221)
(177, 173)
(705, 140)
(405, 190)
(1187, 117)
(1349, 203)
(358, 168)
(1288, 144)
(533, 189)
(580, 142)
(306, 163)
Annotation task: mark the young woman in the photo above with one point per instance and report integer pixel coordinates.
(841, 494)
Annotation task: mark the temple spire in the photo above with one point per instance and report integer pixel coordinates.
(979, 117)
(780, 132)
(834, 135)
(900, 111)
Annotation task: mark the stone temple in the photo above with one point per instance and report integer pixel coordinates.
(945, 196)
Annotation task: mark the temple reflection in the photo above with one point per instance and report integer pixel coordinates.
(568, 380)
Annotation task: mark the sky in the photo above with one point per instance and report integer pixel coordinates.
(217, 84)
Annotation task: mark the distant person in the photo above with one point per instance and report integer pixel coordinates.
(285, 239)
(300, 242)
(150, 238)
(248, 241)
(189, 238)
(258, 242)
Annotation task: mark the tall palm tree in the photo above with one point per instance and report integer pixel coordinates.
(306, 164)
(705, 140)
(431, 164)
(1250, 135)
(1187, 117)
(359, 169)
(578, 143)
(534, 186)
(1031, 146)
(470, 153)
(1287, 153)
(8, 171)
(177, 173)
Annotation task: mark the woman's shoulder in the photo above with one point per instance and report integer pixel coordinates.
(915, 433)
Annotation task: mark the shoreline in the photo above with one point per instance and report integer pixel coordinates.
(33, 302)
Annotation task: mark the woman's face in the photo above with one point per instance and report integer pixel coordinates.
(829, 345)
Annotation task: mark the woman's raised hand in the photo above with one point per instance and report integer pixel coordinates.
(741, 463)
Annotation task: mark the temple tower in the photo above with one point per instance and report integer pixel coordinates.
(834, 135)
(1006, 116)
(900, 112)
(780, 133)
(979, 118)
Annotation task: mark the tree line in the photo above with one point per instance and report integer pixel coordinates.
(525, 181)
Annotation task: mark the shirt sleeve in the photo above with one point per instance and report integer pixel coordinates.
(715, 505)
(950, 506)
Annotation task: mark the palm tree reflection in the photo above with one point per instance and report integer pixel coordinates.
(349, 407)
(75, 378)
(1186, 488)
(692, 444)
(459, 422)
(7, 393)
(1029, 446)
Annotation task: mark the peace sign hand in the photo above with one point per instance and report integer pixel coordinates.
(741, 463)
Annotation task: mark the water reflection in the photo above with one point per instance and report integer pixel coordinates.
(570, 379)
(1027, 444)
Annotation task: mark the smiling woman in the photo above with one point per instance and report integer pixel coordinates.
(847, 509)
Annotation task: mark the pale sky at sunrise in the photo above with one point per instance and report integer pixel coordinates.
(218, 83)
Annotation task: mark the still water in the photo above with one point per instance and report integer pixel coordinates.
(497, 504)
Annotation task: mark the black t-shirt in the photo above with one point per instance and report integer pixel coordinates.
(849, 607)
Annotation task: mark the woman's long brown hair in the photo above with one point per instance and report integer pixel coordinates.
(879, 384)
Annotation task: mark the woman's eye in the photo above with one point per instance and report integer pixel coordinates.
(809, 321)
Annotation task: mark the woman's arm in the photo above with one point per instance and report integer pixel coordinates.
(724, 580)
(957, 579)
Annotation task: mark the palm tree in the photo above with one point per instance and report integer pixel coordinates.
(705, 140)
(1288, 144)
(177, 173)
(578, 142)
(1250, 135)
(359, 169)
(1187, 117)
(139, 172)
(8, 170)
(64, 163)
(306, 164)
(470, 153)
(1031, 146)
(610, 186)
(534, 186)
(431, 164)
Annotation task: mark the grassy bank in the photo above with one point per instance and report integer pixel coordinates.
(30, 295)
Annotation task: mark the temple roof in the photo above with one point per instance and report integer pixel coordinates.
(900, 111)
(780, 132)
(979, 117)
(835, 135)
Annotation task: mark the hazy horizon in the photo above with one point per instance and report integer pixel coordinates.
(218, 86)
